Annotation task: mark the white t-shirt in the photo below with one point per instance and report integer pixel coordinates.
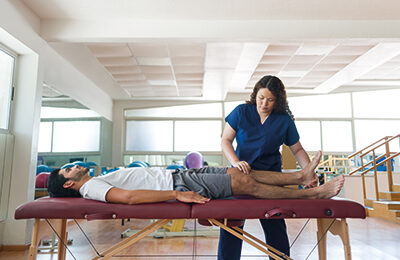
(128, 179)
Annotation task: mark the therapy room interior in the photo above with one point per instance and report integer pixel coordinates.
(162, 86)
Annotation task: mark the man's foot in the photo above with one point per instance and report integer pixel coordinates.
(308, 172)
(331, 188)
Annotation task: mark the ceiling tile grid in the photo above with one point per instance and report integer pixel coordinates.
(151, 69)
(306, 65)
(177, 69)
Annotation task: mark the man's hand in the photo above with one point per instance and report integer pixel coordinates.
(243, 166)
(190, 196)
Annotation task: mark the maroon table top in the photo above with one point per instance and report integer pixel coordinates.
(241, 208)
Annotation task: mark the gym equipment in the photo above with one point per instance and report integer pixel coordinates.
(41, 180)
(43, 168)
(141, 164)
(174, 166)
(194, 160)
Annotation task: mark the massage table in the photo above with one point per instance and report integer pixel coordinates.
(226, 213)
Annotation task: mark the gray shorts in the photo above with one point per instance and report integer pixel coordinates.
(210, 182)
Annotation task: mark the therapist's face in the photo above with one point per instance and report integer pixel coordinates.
(265, 101)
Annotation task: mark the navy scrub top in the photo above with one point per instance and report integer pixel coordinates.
(258, 144)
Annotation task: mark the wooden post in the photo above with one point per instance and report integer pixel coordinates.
(288, 159)
(375, 177)
(363, 178)
(389, 166)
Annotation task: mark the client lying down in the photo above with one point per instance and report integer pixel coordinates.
(146, 185)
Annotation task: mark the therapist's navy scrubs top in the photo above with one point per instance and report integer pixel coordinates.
(258, 144)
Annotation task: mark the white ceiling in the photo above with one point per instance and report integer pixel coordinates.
(206, 50)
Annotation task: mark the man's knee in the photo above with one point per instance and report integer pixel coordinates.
(245, 182)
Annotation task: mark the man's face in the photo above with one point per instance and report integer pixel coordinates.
(74, 173)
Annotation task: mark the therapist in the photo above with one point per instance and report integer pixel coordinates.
(260, 127)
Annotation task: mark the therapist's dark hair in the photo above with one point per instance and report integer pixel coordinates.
(275, 85)
(55, 186)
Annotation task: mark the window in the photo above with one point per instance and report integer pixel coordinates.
(76, 136)
(149, 135)
(6, 82)
(310, 134)
(198, 135)
(45, 132)
(369, 131)
(377, 104)
(336, 136)
(69, 136)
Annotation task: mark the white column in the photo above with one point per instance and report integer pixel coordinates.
(25, 122)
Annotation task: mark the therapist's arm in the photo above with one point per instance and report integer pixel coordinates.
(228, 136)
(116, 195)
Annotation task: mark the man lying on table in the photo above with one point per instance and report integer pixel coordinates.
(146, 185)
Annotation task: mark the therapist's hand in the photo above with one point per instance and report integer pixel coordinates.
(243, 166)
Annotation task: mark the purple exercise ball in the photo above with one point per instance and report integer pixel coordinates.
(194, 160)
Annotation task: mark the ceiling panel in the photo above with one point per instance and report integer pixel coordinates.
(177, 68)
(117, 61)
(115, 70)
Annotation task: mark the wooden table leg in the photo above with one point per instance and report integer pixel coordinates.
(34, 243)
(338, 228)
(322, 244)
(62, 232)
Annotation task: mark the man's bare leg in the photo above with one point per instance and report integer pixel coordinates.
(248, 186)
(302, 177)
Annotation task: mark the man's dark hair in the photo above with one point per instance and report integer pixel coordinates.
(55, 186)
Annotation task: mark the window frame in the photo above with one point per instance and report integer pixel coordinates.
(52, 120)
(12, 86)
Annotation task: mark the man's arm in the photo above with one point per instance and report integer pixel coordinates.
(116, 195)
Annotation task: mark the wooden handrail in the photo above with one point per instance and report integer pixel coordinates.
(387, 141)
(387, 155)
(333, 159)
(354, 154)
(363, 166)
(380, 163)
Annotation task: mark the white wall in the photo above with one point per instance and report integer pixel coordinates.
(353, 186)
(37, 63)
(25, 127)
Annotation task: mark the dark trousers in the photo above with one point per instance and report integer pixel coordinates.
(230, 247)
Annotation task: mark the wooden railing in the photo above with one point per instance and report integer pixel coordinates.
(335, 164)
(375, 162)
